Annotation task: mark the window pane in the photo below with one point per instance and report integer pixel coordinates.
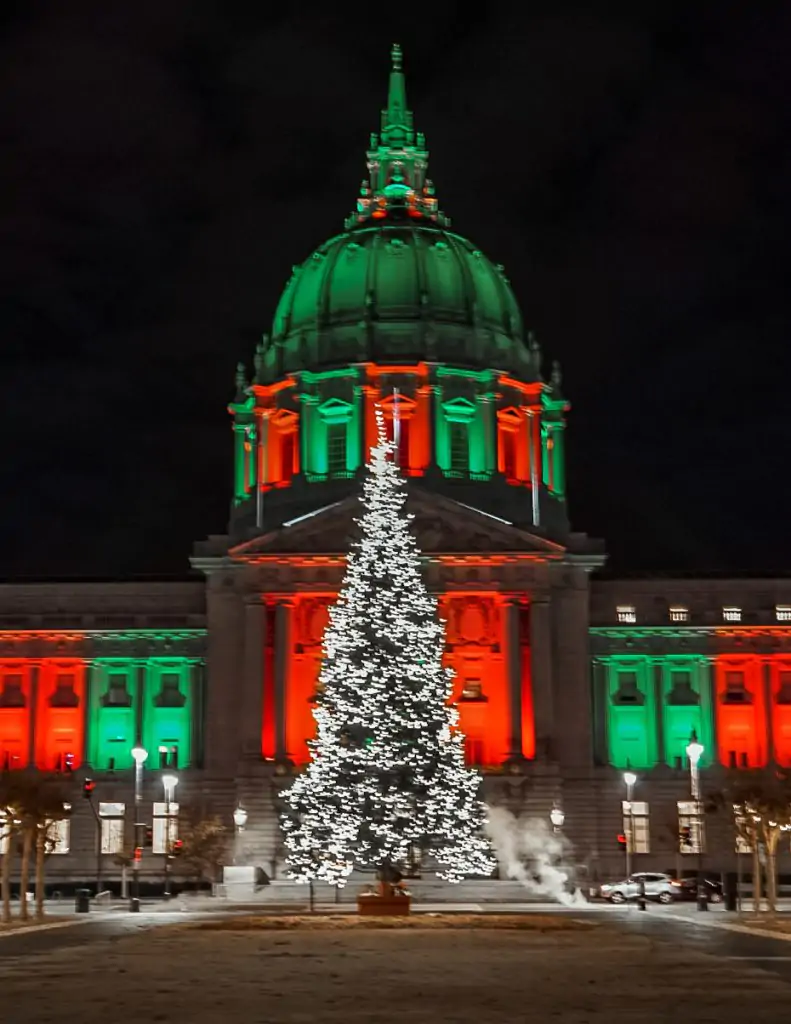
(336, 447)
(164, 836)
(459, 455)
(112, 835)
(58, 835)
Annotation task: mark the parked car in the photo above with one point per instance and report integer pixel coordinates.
(657, 887)
(687, 889)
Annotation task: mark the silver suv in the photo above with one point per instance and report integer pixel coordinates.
(657, 887)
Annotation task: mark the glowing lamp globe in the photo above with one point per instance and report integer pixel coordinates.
(629, 778)
(557, 817)
(139, 754)
(240, 817)
(694, 750)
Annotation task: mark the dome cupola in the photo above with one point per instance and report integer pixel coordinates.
(402, 315)
(397, 284)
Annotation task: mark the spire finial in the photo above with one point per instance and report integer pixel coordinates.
(396, 120)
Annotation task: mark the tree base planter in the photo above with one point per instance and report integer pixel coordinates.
(374, 905)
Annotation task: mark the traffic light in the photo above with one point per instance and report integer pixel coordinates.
(177, 848)
(622, 842)
(685, 835)
(149, 838)
(88, 787)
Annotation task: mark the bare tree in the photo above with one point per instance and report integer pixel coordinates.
(759, 801)
(203, 847)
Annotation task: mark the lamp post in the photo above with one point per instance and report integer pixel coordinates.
(694, 753)
(239, 821)
(169, 781)
(557, 817)
(139, 754)
(630, 779)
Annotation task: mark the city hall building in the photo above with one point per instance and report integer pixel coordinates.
(562, 680)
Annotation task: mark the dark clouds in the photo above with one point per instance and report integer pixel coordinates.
(165, 165)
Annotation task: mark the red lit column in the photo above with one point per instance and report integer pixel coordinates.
(283, 652)
(252, 694)
(541, 665)
(371, 395)
(35, 669)
(420, 438)
(513, 663)
(766, 678)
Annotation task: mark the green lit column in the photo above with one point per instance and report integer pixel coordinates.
(140, 705)
(559, 458)
(239, 475)
(353, 437)
(197, 686)
(659, 704)
(441, 441)
(308, 433)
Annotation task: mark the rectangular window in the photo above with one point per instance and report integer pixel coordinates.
(58, 836)
(336, 448)
(626, 613)
(783, 612)
(678, 613)
(287, 455)
(731, 613)
(690, 827)
(112, 818)
(5, 834)
(636, 823)
(165, 834)
(509, 454)
(459, 449)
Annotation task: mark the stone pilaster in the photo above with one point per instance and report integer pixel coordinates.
(283, 634)
(541, 674)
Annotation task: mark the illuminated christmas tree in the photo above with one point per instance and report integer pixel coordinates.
(387, 770)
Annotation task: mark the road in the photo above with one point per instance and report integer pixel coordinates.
(105, 927)
(674, 926)
(752, 950)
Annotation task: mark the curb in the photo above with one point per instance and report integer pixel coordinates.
(764, 933)
(29, 929)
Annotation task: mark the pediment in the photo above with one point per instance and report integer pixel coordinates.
(441, 525)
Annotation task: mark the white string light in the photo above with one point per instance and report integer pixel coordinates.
(387, 769)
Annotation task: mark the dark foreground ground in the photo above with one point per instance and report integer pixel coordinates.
(607, 971)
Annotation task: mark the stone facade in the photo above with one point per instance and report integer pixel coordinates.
(563, 679)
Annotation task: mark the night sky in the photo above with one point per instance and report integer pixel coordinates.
(165, 163)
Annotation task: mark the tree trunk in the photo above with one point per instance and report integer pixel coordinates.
(41, 846)
(24, 872)
(771, 870)
(756, 876)
(5, 879)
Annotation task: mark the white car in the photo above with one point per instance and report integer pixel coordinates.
(657, 887)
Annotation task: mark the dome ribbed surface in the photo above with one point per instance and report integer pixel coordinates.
(395, 290)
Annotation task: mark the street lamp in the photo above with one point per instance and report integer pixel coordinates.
(694, 752)
(239, 820)
(169, 781)
(139, 754)
(557, 817)
(630, 779)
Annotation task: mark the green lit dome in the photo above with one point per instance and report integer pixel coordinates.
(394, 290)
(398, 284)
